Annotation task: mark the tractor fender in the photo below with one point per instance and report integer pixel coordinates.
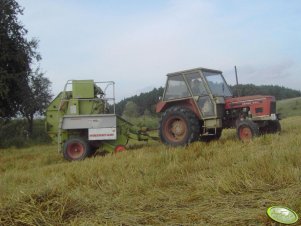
(187, 103)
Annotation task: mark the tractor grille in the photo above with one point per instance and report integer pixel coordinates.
(273, 107)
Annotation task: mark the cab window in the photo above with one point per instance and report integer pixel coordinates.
(217, 84)
(176, 88)
(196, 84)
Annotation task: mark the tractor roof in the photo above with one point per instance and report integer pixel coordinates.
(192, 70)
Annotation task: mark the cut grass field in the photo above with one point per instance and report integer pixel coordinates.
(224, 182)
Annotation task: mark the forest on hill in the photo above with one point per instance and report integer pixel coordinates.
(144, 104)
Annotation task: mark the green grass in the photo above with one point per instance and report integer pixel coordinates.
(289, 107)
(225, 182)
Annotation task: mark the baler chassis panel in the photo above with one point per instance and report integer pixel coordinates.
(88, 121)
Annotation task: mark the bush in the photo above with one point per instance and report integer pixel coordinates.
(14, 133)
(145, 121)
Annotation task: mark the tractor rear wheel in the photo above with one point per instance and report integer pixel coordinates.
(247, 130)
(179, 126)
(76, 149)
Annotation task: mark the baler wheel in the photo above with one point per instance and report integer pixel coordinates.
(179, 126)
(247, 130)
(76, 149)
(119, 148)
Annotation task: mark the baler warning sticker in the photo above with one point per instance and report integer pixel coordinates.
(102, 134)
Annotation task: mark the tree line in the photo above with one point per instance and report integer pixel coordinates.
(279, 92)
(145, 103)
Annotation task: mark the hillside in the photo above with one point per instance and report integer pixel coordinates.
(289, 107)
(225, 182)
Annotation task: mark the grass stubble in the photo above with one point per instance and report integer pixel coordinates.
(224, 182)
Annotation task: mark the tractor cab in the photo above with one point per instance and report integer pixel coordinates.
(205, 89)
(196, 82)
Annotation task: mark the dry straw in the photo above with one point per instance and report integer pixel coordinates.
(225, 182)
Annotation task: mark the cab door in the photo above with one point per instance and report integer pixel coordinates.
(201, 94)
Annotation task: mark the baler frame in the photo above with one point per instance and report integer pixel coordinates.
(64, 98)
(84, 119)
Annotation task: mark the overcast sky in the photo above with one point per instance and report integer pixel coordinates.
(136, 43)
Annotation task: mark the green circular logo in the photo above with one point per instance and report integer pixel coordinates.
(282, 215)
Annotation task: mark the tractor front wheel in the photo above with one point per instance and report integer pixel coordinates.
(247, 130)
(76, 149)
(179, 126)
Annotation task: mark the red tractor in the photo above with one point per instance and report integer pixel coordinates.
(198, 104)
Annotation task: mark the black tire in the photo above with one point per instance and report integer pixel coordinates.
(271, 127)
(94, 146)
(247, 130)
(275, 126)
(76, 149)
(92, 151)
(179, 126)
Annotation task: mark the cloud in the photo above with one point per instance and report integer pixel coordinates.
(136, 43)
(282, 73)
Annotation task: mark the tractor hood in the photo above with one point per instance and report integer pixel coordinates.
(238, 102)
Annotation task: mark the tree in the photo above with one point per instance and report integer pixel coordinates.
(23, 90)
(16, 56)
(145, 101)
(38, 95)
(130, 110)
